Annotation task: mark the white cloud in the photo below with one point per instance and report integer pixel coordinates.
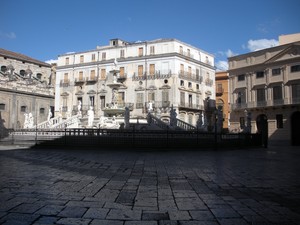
(50, 61)
(228, 53)
(10, 35)
(221, 65)
(255, 45)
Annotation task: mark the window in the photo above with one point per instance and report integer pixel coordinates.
(122, 73)
(180, 49)
(296, 92)
(122, 53)
(102, 102)
(182, 69)
(190, 84)
(241, 97)
(260, 95)
(121, 98)
(181, 83)
(295, 68)
(67, 61)
(42, 111)
(140, 70)
(103, 55)
(189, 71)
(277, 92)
(103, 74)
(151, 96)
(165, 98)
(190, 101)
(279, 120)
(81, 58)
(242, 122)
(182, 98)
(260, 74)
(197, 86)
(23, 108)
(241, 77)
(276, 71)
(189, 53)
(66, 78)
(141, 51)
(81, 76)
(39, 76)
(3, 69)
(219, 88)
(152, 50)
(152, 69)
(139, 100)
(93, 57)
(2, 106)
(92, 75)
(92, 100)
(22, 73)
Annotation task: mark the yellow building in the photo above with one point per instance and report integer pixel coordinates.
(222, 81)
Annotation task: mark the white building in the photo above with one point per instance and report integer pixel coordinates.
(161, 72)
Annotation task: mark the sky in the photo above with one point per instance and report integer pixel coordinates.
(45, 29)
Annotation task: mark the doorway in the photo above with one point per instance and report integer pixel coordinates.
(295, 124)
(262, 128)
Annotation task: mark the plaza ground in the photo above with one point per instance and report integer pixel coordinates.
(130, 187)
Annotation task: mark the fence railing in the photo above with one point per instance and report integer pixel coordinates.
(131, 138)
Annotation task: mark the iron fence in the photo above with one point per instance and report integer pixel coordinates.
(131, 138)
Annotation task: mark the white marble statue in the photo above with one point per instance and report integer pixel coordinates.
(90, 117)
(79, 108)
(150, 106)
(126, 117)
(49, 117)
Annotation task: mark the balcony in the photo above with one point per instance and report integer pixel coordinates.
(65, 83)
(187, 105)
(190, 76)
(79, 81)
(122, 78)
(263, 104)
(156, 75)
(91, 80)
(209, 82)
(219, 91)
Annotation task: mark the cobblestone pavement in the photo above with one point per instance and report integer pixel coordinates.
(252, 186)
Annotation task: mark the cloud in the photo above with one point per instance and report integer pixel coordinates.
(228, 53)
(51, 61)
(255, 45)
(9, 35)
(221, 65)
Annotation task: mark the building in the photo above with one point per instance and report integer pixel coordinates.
(222, 96)
(266, 83)
(151, 76)
(24, 89)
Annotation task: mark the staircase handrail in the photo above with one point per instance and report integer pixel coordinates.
(154, 120)
(184, 125)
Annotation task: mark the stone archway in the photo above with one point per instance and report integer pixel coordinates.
(262, 128)
(295, 124)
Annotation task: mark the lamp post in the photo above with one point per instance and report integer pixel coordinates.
(215, 127)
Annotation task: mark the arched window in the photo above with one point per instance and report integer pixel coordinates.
(23, 108)
(39, 76)
(22, 73)
(3, 69)
(2, 106)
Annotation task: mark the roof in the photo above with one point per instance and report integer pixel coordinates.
(21, 57)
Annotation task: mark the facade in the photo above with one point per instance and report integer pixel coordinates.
(151, 76)
(222, 96)
(266, 83)
(24, 88)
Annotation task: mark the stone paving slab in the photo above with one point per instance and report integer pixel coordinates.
(252, 186)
